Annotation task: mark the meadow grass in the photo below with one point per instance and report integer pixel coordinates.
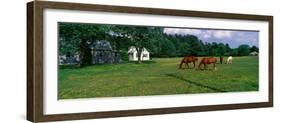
(160, 76)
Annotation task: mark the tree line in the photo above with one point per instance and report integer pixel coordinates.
(77, 38)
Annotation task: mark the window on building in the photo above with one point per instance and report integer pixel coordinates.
(144, 55)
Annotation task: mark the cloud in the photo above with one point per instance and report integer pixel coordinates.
(182, 31)
(222, 34)
(207, 34)
(233, 38)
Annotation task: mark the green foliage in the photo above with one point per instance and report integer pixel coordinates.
(167, 49)
(195, 45)
(243, 50)
(254, 48)
(85, 53)
(234, 52)
(124, 55)
(76, 37)
(227, 47)
(221, 49)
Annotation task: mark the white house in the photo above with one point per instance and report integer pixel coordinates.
(133, 54)
(254, 53)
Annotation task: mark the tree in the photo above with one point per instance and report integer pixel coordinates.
(207, 48)
(221, 49)
(204, 49)
(243, 50)
(138, 36)
(227, 49)
(254, 48)
(156, 36)
(168, 49)
(76, 37)
(140, 39)
(180, 45)
(183, 49)
(213, 49)
(234, 52)
(194, 43)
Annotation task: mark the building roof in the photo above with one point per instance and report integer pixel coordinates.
(254, 52)
(132, 49)
(101, 45)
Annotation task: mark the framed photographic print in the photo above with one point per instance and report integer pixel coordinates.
(97, 61)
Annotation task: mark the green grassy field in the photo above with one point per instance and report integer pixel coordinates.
(160, 76)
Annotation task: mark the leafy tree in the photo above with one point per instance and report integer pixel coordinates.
(213, 49)
(204, 49)
(195, 45)
(156, 36)
(227, 48)
(221, 49)
(207, 48)
(138, 36)
(254, 48)
(183, 49)
(243, 50)
(234, 52)
(76, 37)
(168, 49)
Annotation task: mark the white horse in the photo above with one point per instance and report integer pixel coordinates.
(229, 60)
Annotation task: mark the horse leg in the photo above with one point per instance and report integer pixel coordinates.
(199, 66)
(214, 65)
(205, 66)
(187, 65)
(180, 66)
(193, 64)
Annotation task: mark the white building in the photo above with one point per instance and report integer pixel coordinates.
(254, 53)
(133, 54)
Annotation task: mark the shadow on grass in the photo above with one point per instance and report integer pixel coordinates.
(71, 66)
(194, 83)
(76, 66)
(143, 62)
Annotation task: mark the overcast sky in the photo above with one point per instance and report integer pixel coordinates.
(233, 38)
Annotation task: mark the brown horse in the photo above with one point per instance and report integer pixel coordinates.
(188, 59)
(206, 61)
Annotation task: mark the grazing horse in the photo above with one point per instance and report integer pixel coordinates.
(188, 59)
(221, 59)
(229, 60)
(205, 61)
